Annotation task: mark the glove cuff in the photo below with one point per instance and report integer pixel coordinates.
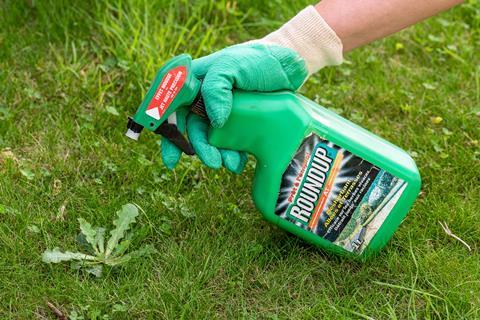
(308, 34)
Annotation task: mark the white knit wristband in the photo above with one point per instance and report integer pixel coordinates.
(308, 34)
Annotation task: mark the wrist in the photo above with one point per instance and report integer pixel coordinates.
(311, 37)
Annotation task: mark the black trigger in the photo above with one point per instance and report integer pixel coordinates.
(171, 132)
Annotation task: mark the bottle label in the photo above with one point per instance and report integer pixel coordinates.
(336, 195)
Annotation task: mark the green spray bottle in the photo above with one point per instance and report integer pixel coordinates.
(318, 175)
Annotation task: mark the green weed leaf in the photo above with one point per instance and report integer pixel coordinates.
(112, 110)
(96, 270)
(92, 239)
(166, 228)
(27, 173)
(429, 86)
(119, 308)
(108, 64)
(89, 232)
(33, 228)
(5, 114)
(126, 216)
(56, 256)
(122, 248)
(100, 239)
(145, 251)
(83, 244)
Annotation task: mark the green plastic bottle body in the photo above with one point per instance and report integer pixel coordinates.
(318, 175)
(279, 130)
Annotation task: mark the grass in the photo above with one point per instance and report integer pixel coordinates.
(64, 156)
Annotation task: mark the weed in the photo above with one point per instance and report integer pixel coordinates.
(113, 253)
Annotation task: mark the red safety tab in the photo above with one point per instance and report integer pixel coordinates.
(168, 89)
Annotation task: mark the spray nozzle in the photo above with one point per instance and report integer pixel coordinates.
(133, 129)
(175, 86)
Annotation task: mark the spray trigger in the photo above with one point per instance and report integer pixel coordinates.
(171, 132)
(174, 87)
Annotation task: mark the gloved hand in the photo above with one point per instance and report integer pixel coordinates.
(255, 67)
(281, 60)
(211, 156)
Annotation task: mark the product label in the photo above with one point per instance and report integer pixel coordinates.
(336, 195)
(167, 90)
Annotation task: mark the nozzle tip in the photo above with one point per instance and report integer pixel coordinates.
(132, 134)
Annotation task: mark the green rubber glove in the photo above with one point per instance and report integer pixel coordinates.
(251, 67)
(214, 158)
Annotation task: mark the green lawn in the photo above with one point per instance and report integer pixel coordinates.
(63, 155)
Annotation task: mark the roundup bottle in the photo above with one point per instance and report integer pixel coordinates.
(318, 176)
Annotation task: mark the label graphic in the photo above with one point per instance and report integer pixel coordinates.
(336, 195)
(168, 89)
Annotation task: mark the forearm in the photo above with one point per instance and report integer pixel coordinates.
(358, 22)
